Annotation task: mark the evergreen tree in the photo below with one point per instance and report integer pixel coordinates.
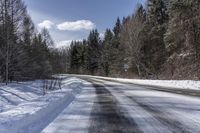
(117, 28)
(117, 51)
(24, 54)
(12, 15)
(93, 57)
(107, 56)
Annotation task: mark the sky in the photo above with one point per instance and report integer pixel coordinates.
(69, 20)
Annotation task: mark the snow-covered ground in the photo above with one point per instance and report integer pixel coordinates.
(178, 84)
(23, 106)
(16, 93)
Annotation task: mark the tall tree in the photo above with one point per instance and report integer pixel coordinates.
(77, 56)
(153, 34)
(93, 51)
(107, 56)
(130, 37)
(23, 52)
(117, 49)
(40, 58)
(12, 13)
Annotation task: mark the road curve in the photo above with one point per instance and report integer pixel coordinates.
(111, 107)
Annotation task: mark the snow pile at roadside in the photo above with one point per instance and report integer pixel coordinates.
(178, 84)
(24, 108)
(182, 84)
(15, 93)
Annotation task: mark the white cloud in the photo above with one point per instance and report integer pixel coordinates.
(46, 24)
(76, 25)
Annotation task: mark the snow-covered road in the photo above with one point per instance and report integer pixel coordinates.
(106, 106)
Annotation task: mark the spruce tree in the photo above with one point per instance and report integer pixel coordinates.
(107, 56)
(117, 50)
(93, 51)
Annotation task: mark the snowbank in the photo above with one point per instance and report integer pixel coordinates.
(15, 93)
(178, 84)
(30, 111)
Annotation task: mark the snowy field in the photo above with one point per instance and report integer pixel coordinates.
(23, 106)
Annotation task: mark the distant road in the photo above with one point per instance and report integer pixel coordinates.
(109, 107)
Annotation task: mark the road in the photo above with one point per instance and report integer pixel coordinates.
(112, 107)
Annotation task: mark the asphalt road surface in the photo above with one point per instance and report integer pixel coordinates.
(111, 107)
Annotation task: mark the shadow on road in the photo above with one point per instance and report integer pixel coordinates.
(106, 116)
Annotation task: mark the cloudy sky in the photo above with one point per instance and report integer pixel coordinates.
(73, 19)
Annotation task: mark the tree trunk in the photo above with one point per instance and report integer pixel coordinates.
(7, 59)
(138, 69)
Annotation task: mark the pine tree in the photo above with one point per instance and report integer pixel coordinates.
(117, 50)
(117, 28)
(94, 52)
(107, 56)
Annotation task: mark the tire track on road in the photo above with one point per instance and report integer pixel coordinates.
(106, 116)
(164, 118)
(167, 120)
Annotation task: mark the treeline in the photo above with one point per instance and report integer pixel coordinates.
(25, 53)
(160, 40)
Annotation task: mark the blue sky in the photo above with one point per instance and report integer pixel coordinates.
(73, 19)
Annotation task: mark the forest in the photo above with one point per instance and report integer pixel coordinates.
(25, 53)
(160, 40)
